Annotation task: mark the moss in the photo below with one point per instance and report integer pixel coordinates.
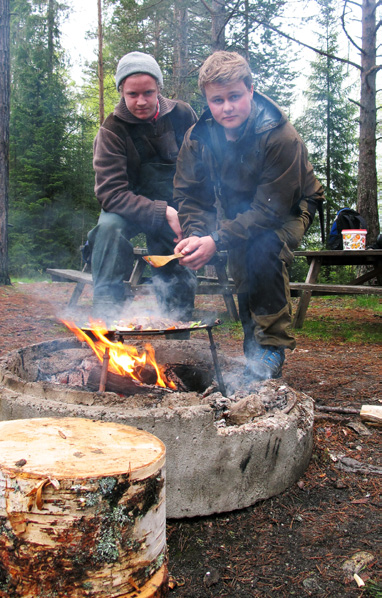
(107, 547)
(92, 499)
(121, 516)
(5, 530)
(107, 485)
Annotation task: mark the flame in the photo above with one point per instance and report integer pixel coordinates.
(123, 359)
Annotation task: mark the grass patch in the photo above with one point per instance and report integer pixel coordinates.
(328, 319)
(31, 279)
(330, 329)
(231, 328)
(369, 302)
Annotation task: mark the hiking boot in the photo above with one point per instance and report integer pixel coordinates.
(266, 363)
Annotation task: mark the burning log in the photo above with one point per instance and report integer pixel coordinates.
(120, 384)
(85, 516)
(127, 386)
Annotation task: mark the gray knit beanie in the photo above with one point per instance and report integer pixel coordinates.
(137, 62)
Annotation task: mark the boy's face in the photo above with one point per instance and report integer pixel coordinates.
(140, 93)
(230, 105)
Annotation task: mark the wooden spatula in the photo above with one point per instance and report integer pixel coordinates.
(161, 260)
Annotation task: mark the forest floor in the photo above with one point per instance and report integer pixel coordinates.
(312, 538)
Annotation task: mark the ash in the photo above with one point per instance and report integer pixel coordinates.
(249, 403)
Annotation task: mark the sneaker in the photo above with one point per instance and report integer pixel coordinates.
(267, 363)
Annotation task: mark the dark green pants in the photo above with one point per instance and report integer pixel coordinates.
(112, 260)
(262, 281)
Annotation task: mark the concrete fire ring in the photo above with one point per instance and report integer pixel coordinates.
(211, 468)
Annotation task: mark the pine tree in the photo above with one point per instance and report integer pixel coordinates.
(328, 125)
(44, 187)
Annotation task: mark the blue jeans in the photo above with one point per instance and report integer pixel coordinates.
(112, 261)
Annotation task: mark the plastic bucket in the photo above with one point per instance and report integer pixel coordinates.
(354, 238)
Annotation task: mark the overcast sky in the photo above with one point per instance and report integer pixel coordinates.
(83, 18)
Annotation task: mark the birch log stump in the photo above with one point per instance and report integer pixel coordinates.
(82, 510)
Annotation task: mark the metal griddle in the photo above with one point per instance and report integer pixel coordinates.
(120, 334)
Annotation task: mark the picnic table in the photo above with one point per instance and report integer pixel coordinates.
(370, 258)
(223, 285)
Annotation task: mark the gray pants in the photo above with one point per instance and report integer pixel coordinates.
(112, 260)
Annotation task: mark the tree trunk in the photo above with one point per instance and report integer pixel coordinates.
(367, 172)
(82, 510)
(4, 137)
(100, 65)
(246, 30)
(218, 14)
(180, 50)
(50, 38)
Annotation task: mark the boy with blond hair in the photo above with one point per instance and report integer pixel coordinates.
(244, 184)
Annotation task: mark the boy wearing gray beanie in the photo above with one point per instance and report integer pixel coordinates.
(135, 154)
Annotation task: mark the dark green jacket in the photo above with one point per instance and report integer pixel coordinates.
(259, 180)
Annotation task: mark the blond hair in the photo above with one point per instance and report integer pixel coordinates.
(223, 68)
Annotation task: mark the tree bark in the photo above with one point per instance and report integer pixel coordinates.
(100, 65)
(367, 203)
(218, 14)
(4, 137)
(180, 50)
(50, 38)
(82, 510)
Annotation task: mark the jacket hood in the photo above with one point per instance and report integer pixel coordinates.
(121, 111)
(265, 115)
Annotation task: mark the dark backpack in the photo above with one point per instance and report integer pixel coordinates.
(345, 219)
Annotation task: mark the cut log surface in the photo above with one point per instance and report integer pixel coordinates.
(372, 414)
(82, 510)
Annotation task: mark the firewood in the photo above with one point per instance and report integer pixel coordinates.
(372, 414)
(82, 510)
(122, 384)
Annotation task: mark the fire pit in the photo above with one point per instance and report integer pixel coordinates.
(223, 452)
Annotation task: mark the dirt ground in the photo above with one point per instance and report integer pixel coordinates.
(311, 539)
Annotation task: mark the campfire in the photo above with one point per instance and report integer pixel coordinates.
(125, 363)
(118, 358)
(225, 451)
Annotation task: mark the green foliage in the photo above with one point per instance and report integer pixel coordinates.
(373, 589)
(151, 28)
(268, 54)
(51, 198)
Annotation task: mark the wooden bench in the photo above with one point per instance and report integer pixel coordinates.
(137, 285)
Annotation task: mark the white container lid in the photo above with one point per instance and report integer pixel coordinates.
(354, 230)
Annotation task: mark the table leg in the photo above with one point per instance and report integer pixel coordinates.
(376, 272)
(229, 300)
(314, 269)
(76, 293)
(137, 272)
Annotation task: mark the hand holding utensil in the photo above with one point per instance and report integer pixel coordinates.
(161, 260)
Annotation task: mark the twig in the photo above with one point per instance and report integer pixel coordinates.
(338, 409)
